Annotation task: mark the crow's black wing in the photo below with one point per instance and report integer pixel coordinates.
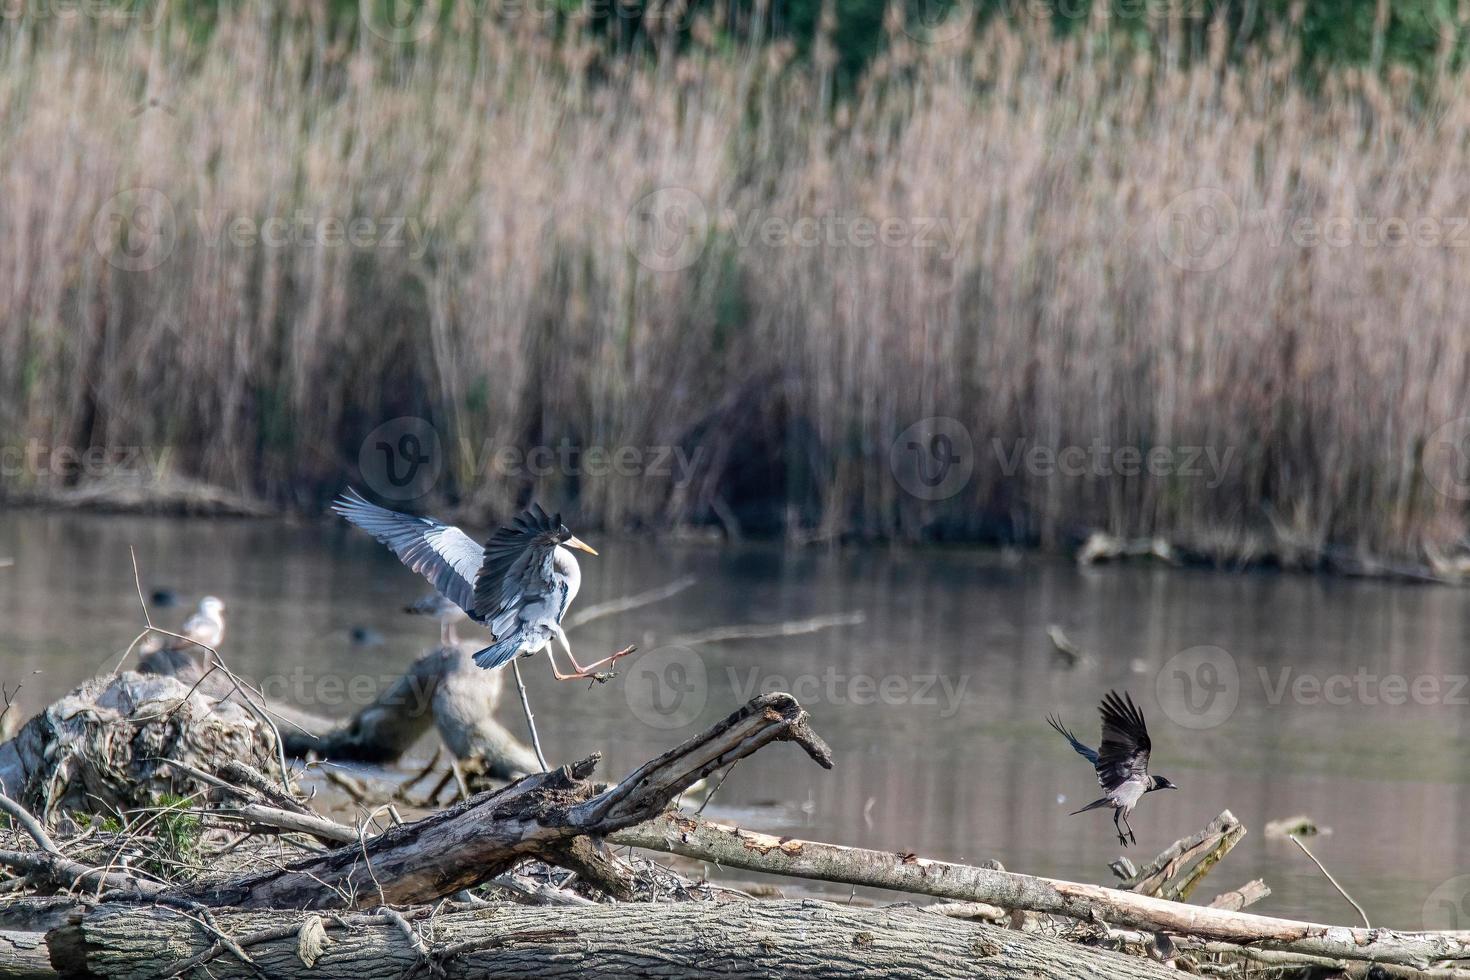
(1123, 753)
(1082, 750)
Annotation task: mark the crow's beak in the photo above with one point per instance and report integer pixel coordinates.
(580, 545)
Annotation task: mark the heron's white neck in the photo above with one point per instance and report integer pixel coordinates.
(564, 566)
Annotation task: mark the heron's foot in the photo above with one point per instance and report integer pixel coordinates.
(589, 672)
(1122, 839)
(1132, 838)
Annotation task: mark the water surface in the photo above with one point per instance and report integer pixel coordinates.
(934, 705)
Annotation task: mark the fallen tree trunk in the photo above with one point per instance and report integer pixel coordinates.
(537, 816)
(687, 939)
(729, 846)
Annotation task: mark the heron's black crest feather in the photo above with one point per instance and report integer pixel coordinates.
(525, 544)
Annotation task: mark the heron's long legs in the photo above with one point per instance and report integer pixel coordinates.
(581, 673)
(1128, 826)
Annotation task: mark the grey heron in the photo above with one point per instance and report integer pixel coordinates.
(446, 612)
(518, 585)
(1121, 760)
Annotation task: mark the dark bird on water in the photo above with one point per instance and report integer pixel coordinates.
(518, 585)
(1121, 760)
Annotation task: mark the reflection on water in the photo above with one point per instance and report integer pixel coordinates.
(1350, 698)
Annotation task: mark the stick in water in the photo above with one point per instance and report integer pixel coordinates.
(1340, 890)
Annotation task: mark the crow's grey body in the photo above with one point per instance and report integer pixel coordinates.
(1121, 760)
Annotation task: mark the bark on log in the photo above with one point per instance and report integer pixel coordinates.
(106, 745)
(24, 956)
(688, 939)
(444, 689)
(732, 847)
(537, 816)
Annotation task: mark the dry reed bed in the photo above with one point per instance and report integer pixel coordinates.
(515, 311)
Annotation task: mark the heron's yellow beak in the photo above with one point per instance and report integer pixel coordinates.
(579, 544)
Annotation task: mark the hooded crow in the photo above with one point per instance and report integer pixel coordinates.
(1121, 761)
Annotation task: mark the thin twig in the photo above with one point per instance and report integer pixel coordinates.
(530, 718)
(362, 844)
(712, 792)
(1340, 890)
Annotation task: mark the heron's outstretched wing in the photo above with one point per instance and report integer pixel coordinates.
(1123, 753)
(444, 555)
(518, 567)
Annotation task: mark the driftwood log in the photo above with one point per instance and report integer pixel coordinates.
(443, 689)
(538, 816)
(734, 847)
(106, 745)
(688, 939)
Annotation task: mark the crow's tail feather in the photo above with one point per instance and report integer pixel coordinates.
(1092, 806)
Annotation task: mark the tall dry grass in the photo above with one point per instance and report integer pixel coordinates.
(1070, 312)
